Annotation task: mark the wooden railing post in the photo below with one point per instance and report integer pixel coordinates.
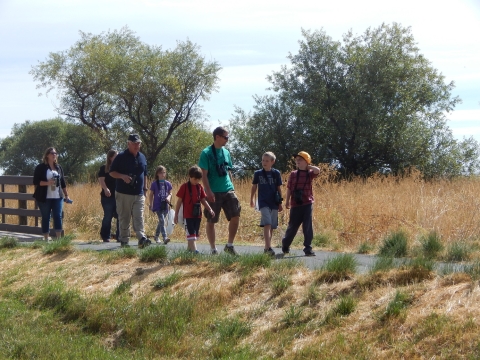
(3, 204)
(22, 204)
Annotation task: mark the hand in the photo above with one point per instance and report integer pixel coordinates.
(126, 178)
(210, 196)
(280, 207)
(107, 192)
(287, 205)
(212, 213)
(252, 203)
(175, 219)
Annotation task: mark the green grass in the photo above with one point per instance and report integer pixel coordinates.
(383, 263)
(338, 268)
(153, 253)
(61, 245)
(168, 280)
(8, 242)
(365, 248)
(458, 251)
(394, 245)
(396, 306)
(431, 245)
(320, 240)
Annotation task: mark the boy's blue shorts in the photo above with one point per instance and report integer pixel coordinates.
(269, 217)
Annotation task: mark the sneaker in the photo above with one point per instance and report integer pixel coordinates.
(214, 252)
(230, 250)
(309, 253)
(124, 245)
(143, 242)
(157, 240)
(269, 251)
(195, 252)
(285, 250)
(106, 240)
(166, 241)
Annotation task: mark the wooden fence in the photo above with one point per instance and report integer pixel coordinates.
(21, 211)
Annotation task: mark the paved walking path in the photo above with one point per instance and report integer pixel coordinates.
(364, 262)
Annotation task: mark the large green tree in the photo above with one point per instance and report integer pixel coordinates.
(372, 103)
(113, 83)
(24, 148)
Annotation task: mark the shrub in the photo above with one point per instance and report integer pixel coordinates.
(338, 268)
(394, 245)
(345, 306)
(383, 263)
(431, 245)
(397, 305)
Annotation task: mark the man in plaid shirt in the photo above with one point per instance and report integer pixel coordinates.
(299, 200)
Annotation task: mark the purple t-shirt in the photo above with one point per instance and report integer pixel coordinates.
(160, 189)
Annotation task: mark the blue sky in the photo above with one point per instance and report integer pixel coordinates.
(250, 40)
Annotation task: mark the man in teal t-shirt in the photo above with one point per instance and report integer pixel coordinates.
(216, 164)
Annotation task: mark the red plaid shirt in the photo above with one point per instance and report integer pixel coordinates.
(305, 179)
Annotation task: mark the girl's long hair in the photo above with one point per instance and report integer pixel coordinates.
(110, 155)
(45, 155)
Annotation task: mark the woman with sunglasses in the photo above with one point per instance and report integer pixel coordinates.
(50, 191)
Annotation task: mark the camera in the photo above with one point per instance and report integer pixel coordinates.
(164, 206)
(133, 182)
(221, 170)
(278, 198)
(298, 196)
(196, 211)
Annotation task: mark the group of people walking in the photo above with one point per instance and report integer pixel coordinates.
(123, 180)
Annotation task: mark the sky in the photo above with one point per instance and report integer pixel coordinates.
(249, 39)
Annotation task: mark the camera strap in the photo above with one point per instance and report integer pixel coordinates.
(214, 152)
(307, 177)
(190, 191)
(272, 172)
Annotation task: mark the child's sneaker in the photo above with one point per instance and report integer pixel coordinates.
(166, 241)
(143, 242)
(214, 252)
(157, 240)
(309, 253)
(269, 251)
(230, 250)
(285, 250)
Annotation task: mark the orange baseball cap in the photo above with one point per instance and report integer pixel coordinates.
(306, 156)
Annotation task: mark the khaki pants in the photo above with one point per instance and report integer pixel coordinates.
(130, 206)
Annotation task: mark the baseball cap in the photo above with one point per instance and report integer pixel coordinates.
(134, 138)
(305, 156)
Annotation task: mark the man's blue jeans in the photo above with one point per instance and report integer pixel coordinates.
(109, 206)
(53, 207)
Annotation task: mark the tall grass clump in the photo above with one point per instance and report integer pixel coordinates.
(168, 280)
(8, 242)
(345, 305)
(338, 268)
(183, 257)
(383, 263)
(153, 253)
(458, 251)
(431, 245)
(397, 305)
(254, 261)
(61, 245)
(395, 244)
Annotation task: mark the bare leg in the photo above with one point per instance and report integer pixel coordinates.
(210, 229)
(232, 228)
(58, 234)
(267, 235)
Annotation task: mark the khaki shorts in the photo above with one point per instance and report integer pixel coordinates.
(227, 201)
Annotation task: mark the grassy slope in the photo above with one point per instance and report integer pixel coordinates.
(73, 304)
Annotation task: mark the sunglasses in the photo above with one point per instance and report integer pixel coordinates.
(225, 137)
(53, 153)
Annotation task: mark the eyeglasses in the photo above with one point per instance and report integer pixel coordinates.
(53, 153)
(225, 137)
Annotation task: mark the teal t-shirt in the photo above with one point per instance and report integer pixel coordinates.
(207, 162)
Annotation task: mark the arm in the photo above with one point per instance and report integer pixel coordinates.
(117, 175)
(206, 186)
(315, 169)
(287, 200)
(253, 191)
(279, 189)
(177, 209)
(207, 206)
(106, 191)
(145, 182)
(150, 199)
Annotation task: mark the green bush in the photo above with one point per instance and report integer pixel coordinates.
(394, 245)
(458, 251)
(345, 306)
(397, 305)
(61, 245)
(344, 264)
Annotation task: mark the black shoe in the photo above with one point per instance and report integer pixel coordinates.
(106, 240)
(124, 245)
(269, 251)
(285, 250)
(309, 253)
(143, 242)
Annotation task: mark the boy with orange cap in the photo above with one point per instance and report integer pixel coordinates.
(299, 200)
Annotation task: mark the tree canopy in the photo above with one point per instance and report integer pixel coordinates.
(372, 103)
(24, 148)
(115, 84)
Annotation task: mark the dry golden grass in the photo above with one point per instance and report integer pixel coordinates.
(441, 320)
(347, 213)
